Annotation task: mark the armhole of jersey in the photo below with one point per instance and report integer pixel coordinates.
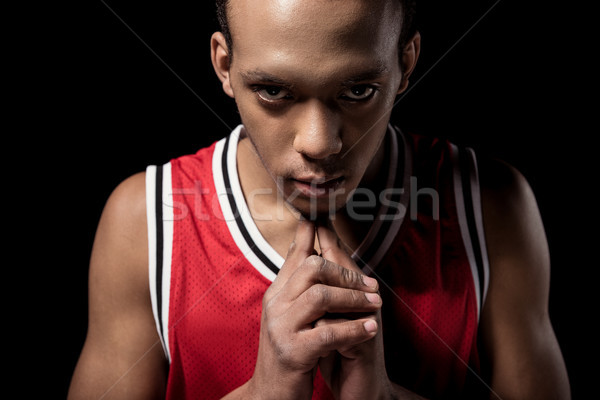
(159, 213)
(468, 206)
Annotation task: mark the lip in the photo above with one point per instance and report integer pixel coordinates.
(317, 186)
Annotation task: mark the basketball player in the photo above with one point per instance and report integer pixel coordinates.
(318, 251)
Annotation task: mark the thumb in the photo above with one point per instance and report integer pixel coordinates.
(333, 248)
(301, 248)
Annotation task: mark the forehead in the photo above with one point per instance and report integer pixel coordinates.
(314, 33)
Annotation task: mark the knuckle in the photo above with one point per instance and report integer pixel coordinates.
(292, 247)
(268, 297)
(274, 333)
(307, 269)
(283, 350)
(282, 347)
(327, 337)
(357, 297)
(316, 262)
(349, 278)
(270, 308)
(267, 313)
(318, 295)
(271, 328)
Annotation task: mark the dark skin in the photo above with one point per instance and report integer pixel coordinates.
(307, 129)
(308, 287)
(122, 354)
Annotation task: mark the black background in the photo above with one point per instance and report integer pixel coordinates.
(93, 104)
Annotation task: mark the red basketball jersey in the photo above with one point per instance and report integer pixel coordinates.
(210, 266)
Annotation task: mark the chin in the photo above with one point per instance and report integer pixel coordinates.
(317, 209)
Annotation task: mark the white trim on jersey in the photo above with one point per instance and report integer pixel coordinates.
(167, 207)
(246, 234)
(223, 196)
(151, 219)
(478, 214)
(243, 210)
(479, 271)
(385, 244)
(159, 259)
(372, 234)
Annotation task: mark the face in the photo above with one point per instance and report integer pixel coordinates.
(315, 83)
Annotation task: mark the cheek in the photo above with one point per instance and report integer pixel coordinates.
(366, 135)
(271, 149)
(270, 155)
(267, 132)
(365, 149)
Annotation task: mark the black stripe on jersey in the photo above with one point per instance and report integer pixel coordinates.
(466, 170)
(159, 245)
(236, 213)
(366, 257)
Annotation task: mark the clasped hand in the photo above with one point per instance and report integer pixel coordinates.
(320, 312)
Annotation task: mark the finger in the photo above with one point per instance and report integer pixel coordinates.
(316, 270)
(332, 247)
(327, 364)
(301, 247)
(326, 338)
(347, 316)
(321, 299)
(330, 321)
(304, 240)
(351, 351)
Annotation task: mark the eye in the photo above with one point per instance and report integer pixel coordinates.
(359, 92)
(272, 93)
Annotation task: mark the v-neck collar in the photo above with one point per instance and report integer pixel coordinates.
(261, 254)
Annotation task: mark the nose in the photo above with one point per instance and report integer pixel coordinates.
(318, 131)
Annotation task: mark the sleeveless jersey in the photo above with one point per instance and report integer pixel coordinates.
(210, 266)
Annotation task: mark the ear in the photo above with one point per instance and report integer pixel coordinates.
(410, 55)
(219, 54)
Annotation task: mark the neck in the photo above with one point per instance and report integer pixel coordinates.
(277, 220)
(351, 230)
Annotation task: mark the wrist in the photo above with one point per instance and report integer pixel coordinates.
(292, 386)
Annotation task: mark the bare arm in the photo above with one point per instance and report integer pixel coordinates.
(122, 357)
(524, 357)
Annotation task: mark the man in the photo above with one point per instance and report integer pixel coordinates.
(318, 251)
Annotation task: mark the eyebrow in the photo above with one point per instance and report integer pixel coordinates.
(373, 73)
(261, 76)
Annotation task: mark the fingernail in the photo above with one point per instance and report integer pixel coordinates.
(370, 326)
(373, 298)
(370, 282)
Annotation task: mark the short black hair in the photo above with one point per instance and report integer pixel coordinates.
(408, 29)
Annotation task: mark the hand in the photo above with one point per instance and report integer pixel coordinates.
(291, 344)
(355, 371)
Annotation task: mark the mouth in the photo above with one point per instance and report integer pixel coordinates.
(315, 186)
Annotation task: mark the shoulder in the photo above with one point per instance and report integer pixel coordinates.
(518, 252)
(515, 237)
(128, 199)
(499, 178)
(512, 221)
(120, 252)
(121, 325)
(523, 355)
(123, 227)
